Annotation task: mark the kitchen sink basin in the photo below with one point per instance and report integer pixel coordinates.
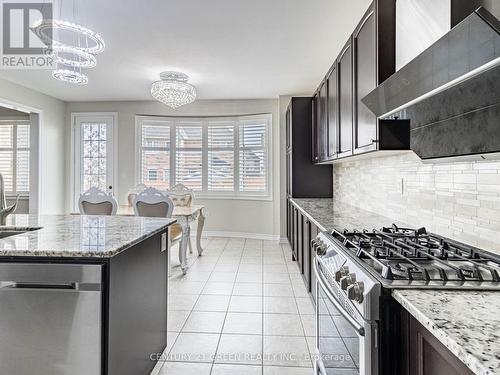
(8, 232)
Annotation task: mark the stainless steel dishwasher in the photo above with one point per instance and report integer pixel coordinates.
(50, 319)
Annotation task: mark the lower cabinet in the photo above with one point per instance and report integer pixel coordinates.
(300, 232)
(312, 255)
(306, 244)
(428, 356)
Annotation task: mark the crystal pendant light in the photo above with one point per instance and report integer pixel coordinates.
(75, 52)
(173, 89)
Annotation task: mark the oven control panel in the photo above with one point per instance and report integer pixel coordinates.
(348, 279)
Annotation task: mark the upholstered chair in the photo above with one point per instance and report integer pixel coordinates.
(97, 202)
(153, 203)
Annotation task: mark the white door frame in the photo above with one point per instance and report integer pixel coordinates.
(36, 120)
(73, 186)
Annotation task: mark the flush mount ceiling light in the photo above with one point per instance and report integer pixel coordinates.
(173, 89)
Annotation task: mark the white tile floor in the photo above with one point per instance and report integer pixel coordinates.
(242, 308)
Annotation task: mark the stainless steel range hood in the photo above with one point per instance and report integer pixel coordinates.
(470, 48)
(450, 92)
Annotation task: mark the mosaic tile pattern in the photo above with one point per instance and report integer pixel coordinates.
(459, 200)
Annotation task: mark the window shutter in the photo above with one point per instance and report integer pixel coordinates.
(252, 156)
(15, 155)
(188, 156)
(220, 156)
(155, 157)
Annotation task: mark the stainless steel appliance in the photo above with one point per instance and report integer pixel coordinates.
(346, 312)
(355, 268)
(50, 319)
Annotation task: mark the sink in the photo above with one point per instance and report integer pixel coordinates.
(8, 232)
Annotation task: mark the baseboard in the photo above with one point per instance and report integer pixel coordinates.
(283, 240)
(253, 236)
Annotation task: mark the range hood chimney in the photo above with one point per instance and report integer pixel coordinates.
(450, 92)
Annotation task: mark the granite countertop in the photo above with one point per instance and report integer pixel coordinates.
(466, 322)
(329, 214)
(77, 235)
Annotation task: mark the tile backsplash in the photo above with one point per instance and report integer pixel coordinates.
(459, 200)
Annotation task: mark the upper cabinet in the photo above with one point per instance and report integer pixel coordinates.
(345, 100)
(346, 126)
(365, 81)
(303, 178)
(332, 107)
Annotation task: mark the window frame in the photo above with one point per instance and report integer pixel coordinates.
(236, 194)
(16, 122)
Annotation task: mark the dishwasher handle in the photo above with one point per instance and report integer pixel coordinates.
(55, 286)
(50, 286)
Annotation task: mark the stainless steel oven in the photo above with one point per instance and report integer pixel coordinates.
(346, 341)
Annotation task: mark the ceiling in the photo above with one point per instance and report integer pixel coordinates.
(231, 49)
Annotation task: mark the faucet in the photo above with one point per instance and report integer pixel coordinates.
(4, 210)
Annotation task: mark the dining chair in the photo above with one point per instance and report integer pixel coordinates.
(94, 201)
(182, 196)
(132, 193)
(153, 203)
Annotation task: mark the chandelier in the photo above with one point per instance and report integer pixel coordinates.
(173, 90)
(73, 48)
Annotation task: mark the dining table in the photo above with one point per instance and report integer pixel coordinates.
(185, 215)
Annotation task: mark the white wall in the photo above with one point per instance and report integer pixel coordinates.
(52, 142)
(238, 216)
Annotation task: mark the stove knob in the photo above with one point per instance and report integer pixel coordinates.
(343, 271)
(347, 280)
(355, 291)
(321, 248)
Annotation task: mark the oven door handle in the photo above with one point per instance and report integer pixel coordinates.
(358, 327)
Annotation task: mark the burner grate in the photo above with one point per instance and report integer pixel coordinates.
(414, 254)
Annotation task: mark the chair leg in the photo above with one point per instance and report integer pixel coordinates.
(190, 245)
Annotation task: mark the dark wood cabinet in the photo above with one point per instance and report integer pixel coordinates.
(374, 60)
(306, 244)
(301, 230)
(314, 231)
(295, 244)
(344, 126)
(365, 81)
(332, 108)
(304, 179)
(428, 356)
(345, 100)
(408, 348)
(300, 243)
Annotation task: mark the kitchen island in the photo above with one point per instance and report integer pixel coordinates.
(82, 294)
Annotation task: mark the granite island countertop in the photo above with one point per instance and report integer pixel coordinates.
(329, 214)
(466, 322)
(77, 236)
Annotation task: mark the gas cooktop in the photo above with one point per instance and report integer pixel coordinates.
(404, 257)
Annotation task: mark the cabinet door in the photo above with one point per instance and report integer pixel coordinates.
(332, 129)
(428, 356)
(300, 243)
(312, 254)
(315, 128)
(306, 238)
(323, 121)
(365, 81)
(295, 233)
(288, 128)
(344, 65)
